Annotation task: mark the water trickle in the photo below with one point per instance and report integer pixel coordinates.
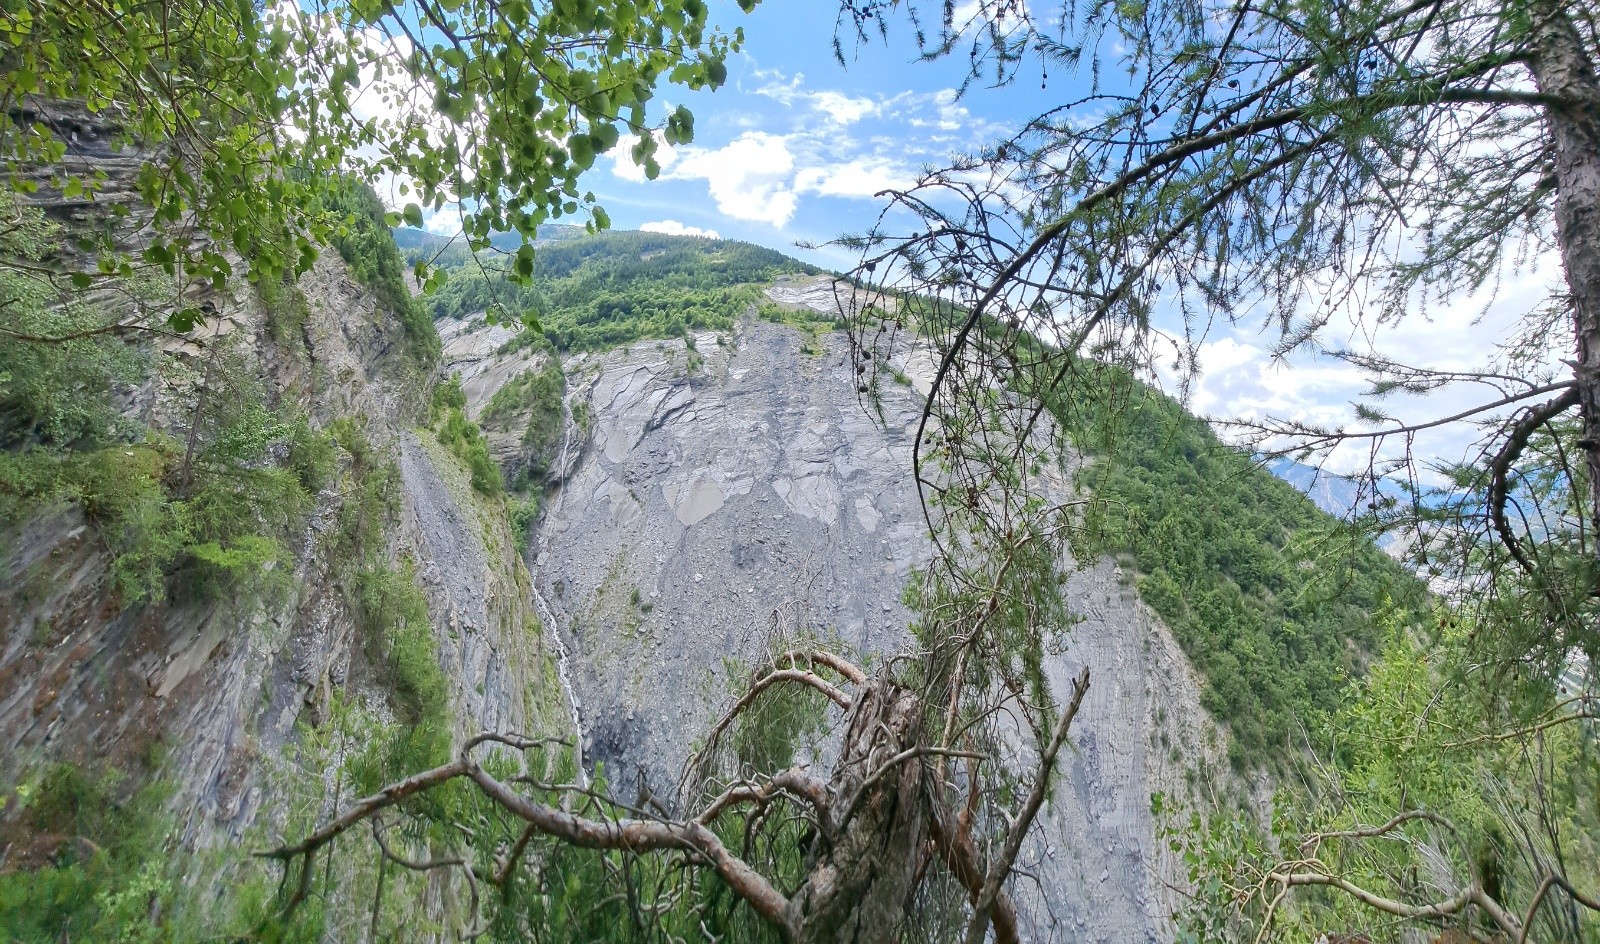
(547, 616)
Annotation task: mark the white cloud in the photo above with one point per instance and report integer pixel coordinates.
(834, 107)
(674, 228)
(749, 178)
(842, 109)
(863, 178)
(445, 222)
(948, 113)
(622, 165)
(1239, 378)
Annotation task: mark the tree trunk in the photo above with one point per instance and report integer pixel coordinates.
(1563, 68)
(864, 863)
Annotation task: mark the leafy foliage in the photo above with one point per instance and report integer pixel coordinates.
(52, 394)
(502, 105)
(1481, 808)
(393, 616)
(107, 865)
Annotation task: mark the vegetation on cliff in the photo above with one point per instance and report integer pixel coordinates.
(596, 292)
(1271, 599)
(1246, 161)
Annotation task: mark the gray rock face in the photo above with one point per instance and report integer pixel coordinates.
(85, 681)
(705, 505)
(1104, 875)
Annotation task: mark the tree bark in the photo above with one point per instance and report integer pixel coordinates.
(1564, 70)
(863, 865)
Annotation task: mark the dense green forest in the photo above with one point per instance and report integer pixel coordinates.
(593, 292)
(1272, 600)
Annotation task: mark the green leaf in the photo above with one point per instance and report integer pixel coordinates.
(184, 319)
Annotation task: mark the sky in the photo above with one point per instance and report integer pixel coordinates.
(793, 148)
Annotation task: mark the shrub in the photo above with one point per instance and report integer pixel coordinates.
(107, 869)
(463, 437)
(394, 619)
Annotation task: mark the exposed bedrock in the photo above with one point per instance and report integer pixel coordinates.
(718, 491)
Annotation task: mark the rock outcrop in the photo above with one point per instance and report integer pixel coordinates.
(216, 692)
(735, 486)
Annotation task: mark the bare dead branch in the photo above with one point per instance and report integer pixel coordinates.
(1369, 832)
(956, 851)
(794, 781)
(1516, 440)
(383, 799)
(832, 660)
(633, 835)
(1471, 895)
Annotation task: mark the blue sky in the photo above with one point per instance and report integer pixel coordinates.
(794, 147)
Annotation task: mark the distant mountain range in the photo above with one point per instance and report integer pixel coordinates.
(406, 237)
(1338, 495)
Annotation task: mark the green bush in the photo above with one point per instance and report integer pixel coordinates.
(286, 309)
(54, 393)
(522, 514)
(393, 616)
(105, 881)
(463, 438)
(311, 456)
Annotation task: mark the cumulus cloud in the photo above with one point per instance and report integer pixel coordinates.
(674, 228)
(842, 109)
(863, 178)
(749, 178)
(622, 165)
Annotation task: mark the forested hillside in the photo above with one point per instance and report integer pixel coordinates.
(594, 292)
(1272, 599)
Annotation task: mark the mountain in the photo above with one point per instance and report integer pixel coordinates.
(1338, 495)
(251, 578)
(409, 239)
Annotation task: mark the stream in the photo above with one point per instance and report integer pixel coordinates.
(547, 616)
(553, 626)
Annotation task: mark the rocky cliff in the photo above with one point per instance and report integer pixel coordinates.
(715, 492)
(214, 698)
(701, 499)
